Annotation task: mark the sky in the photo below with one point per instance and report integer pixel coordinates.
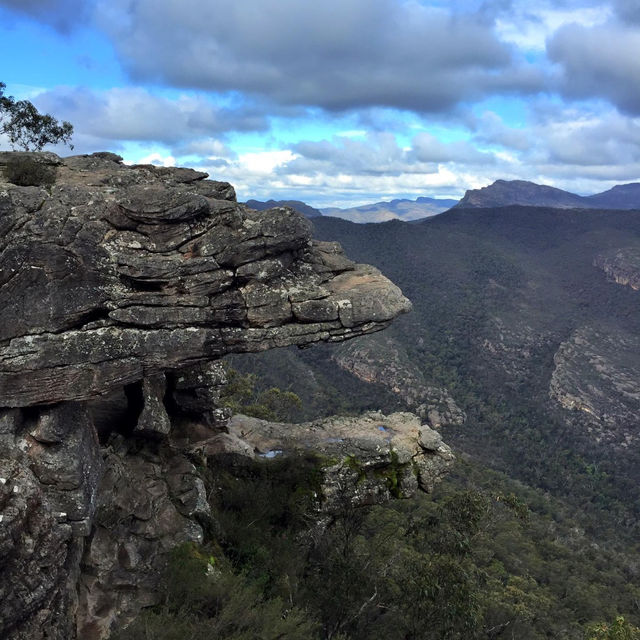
(340, 102)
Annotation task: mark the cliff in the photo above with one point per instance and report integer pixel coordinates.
(621, 265)
(120, 288)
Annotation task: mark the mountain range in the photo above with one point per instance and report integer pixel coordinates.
(301, 207)
(523, 345)
(499, 194)
(403, 209)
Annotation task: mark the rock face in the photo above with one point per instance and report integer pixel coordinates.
(596, 380)
(622, 266)
(372, 457)
(133, 271)
(381, 359)
(119, 287)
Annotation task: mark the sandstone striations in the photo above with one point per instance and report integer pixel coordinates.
(382, 360)
(133, 271)
(120, 288)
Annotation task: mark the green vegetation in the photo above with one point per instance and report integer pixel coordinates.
(495, 292)
(618, 630)
(202, 601)
(29, 172)
(537, 537)
(483, 557)
(269, 404)
(27, 128)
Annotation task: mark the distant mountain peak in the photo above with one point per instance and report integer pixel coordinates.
(509, 192)
(398, 208)
(522, 192)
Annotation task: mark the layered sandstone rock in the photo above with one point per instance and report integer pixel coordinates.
(596, 381)
(119, 273)
(621, 265)
(119, 289)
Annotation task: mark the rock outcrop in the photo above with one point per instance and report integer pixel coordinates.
(120, 273)
(382, 360)
(119, 289)
(622, 266)
(595, 380)
(371, 457)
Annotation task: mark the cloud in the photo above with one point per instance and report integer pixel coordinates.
(136, 114)
(528, 25)
(427, 148)
(337, 54)
(159, 160)
(489, 129)
(60, 14)
(607, 140)
(379, 154)
(599, 62)
(628, 10)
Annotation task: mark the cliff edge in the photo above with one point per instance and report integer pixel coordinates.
(120, 288)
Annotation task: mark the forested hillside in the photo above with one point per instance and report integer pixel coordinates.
(523, 349)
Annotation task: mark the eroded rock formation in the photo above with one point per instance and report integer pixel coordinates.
(381, 359)
(373, 457)
(119, 273)
(119, 289)
(622, 266)
(596, 381)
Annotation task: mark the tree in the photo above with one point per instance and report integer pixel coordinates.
(27, 128)
(618, 630)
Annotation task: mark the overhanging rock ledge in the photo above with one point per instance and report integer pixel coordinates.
(120, 288)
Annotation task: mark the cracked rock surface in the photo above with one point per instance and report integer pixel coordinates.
(120, 287)
(596, 382)
(118, 273)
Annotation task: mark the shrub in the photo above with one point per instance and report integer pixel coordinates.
(203, 603)
(25, 171)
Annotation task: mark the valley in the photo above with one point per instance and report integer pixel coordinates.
(522, 348)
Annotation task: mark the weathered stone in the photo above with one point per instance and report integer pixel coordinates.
(146, 502)
(153, 420)
(383, 360)
(49, 476)
(119, 286)
(369, 458)
(176, 174)
(197, 389)
(622, 266)
(329, 258)
(596, 381)
(134, 272)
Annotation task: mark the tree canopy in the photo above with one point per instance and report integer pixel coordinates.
(27, 128)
